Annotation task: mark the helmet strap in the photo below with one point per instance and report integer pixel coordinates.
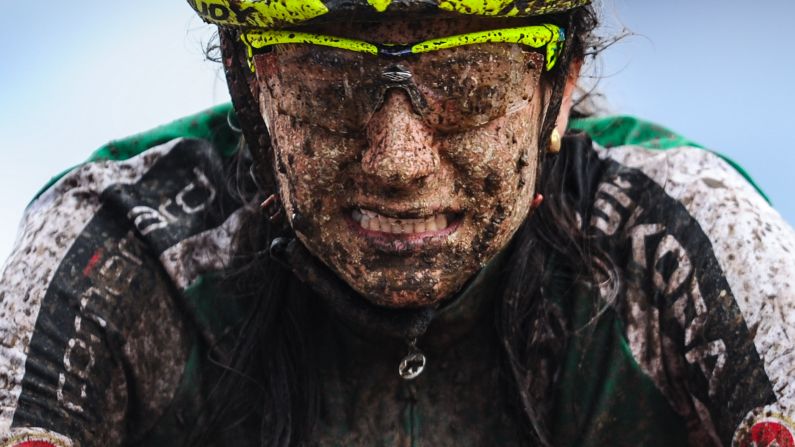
(240, 80)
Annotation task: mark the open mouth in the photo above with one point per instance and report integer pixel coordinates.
(437, 224)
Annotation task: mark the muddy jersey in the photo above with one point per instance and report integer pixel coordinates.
(110, 309)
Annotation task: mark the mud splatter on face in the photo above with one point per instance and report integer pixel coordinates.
(403, 210)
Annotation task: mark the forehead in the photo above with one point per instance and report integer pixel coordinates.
(414, 29)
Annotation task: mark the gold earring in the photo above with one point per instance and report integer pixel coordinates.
(554, 142)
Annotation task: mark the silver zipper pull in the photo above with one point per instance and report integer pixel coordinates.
(413, 363)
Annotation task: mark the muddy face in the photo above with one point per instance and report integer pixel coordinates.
(403, 210)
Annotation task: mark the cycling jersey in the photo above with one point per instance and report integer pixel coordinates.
(112, 316)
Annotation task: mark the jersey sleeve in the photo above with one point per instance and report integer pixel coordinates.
(707, 300)
(92, 340)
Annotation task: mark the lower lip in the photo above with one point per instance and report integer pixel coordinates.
(403, 243)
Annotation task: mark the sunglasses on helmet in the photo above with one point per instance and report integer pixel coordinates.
(548, 36)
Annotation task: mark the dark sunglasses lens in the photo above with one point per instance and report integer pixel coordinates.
(467, 87)
(321, 86)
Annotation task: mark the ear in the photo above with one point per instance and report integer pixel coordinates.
(565, 106)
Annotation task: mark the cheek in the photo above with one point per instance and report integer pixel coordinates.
(495, 162)
(308, 158)
(310, 163)
(496, 168)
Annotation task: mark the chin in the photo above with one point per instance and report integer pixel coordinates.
(409, 288)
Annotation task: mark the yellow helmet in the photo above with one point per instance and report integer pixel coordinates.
(272, 14)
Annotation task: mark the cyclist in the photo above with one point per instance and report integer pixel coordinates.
(391, 238)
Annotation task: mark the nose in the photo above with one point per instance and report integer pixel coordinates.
(400, 147)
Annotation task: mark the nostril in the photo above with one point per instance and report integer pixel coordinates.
(400, 165)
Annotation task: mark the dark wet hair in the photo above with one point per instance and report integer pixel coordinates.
(267, 393)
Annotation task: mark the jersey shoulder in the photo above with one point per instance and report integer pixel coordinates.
(708, 301)
(102, 297)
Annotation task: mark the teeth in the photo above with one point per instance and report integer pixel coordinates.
(441, 221)
(372, 221)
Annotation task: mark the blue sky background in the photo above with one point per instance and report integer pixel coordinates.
(78, 74)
